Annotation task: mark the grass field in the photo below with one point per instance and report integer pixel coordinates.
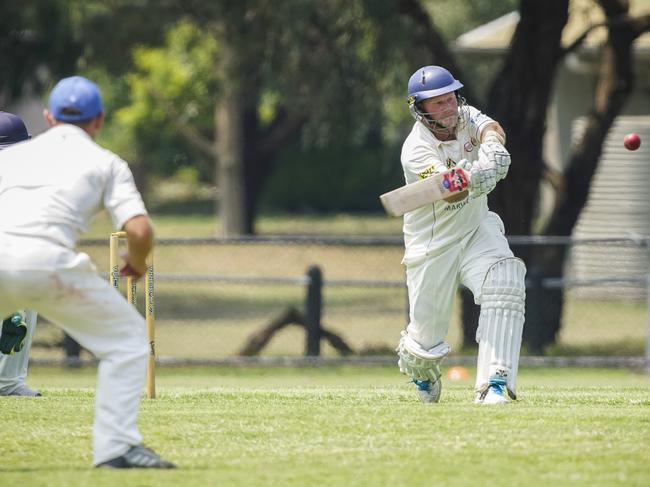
(340, 426)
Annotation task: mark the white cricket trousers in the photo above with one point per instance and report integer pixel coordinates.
(433, 281)
(101, 320)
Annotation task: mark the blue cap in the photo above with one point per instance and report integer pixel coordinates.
(75, 99)
(12, 129)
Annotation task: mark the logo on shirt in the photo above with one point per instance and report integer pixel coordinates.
(456, 206)
(428, 172)
(450, 163)
(470, 144)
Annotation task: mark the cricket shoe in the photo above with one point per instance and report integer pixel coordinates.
(428, 391)
(138, 456)
(495, 393)
(25, 390)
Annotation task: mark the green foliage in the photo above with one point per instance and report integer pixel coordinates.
(333, 179)
(334, 63)
(173, 86)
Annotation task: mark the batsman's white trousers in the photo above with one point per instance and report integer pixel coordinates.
(433, 281)
(100, 319)
(13, 368)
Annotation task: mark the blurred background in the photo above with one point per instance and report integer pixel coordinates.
(262, 132)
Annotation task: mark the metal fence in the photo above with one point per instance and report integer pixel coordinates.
(219, 299)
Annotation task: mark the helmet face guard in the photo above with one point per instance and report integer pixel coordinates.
(442, 126)
(428, 82)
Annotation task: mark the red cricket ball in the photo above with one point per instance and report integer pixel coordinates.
(632, 141)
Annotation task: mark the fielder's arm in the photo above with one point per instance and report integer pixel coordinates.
(139, 233)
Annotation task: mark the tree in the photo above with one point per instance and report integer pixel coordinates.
(614, 84)
(274, 66)
(519, 99)
(37, 38)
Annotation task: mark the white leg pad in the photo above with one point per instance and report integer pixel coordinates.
(501, 324)
(418, 363)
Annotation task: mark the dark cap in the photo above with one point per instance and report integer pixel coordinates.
(12, 129)
(75, 99)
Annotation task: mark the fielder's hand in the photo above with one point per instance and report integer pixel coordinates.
(130, 269)
(13, 334)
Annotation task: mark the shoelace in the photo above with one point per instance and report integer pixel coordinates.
(498, 384)
(422, 385)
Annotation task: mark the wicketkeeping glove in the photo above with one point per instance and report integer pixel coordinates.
(12, 337)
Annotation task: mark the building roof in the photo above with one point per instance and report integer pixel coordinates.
(496, 35)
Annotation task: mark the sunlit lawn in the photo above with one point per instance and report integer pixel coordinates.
(340, 426)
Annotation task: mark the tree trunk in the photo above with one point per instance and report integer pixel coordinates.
(229, 147)
(614, 84)
(518, 100)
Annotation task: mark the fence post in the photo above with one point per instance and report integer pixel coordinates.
(313, 306)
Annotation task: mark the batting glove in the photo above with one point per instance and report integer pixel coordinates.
(482, 175)
(13, 334)
(497, 156)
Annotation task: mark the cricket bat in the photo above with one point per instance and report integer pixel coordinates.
(434, 188)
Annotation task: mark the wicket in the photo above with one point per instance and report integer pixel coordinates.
(150, 315)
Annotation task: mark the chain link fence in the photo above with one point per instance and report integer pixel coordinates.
(218, 299)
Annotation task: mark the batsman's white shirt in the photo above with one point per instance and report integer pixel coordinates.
(431, 229)
(50, 187)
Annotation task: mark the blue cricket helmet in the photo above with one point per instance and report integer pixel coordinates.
(430, 81)
(12, 129)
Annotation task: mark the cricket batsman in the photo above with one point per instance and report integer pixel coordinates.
(458, 241)
(50, 188)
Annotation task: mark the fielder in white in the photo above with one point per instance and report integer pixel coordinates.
(50, 187)
(458, 241)
(13, 368)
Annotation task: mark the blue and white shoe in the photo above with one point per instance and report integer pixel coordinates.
(495, 393)
(428, 391)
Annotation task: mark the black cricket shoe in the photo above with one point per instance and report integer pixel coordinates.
(139, 456)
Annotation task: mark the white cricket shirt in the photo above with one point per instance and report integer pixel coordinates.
(433, 228)
(51, 187)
